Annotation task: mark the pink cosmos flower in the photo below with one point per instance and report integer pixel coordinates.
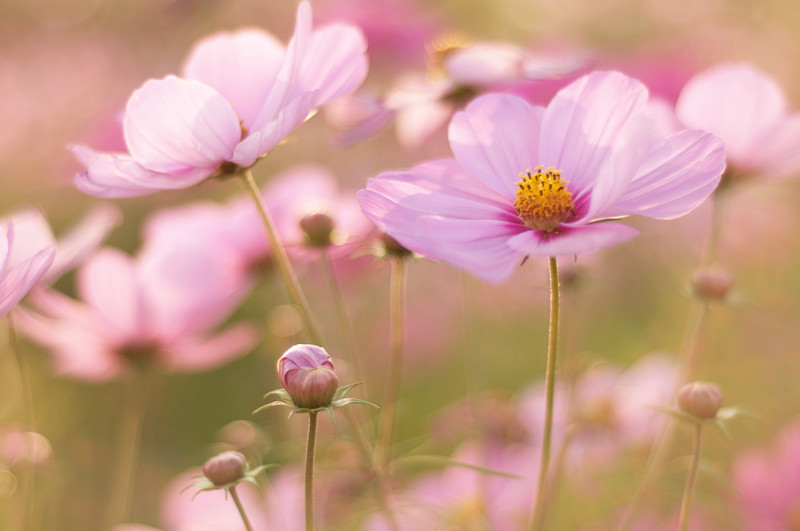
(156, 309)
(240, 95)
(748, 111)
(769, 483)
(537, 181)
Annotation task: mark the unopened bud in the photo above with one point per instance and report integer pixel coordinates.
(712, 283)
(306, 372)
(318, 228)
(225, 468)
(700, 399)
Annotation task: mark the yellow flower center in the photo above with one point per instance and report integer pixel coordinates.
(543, 201)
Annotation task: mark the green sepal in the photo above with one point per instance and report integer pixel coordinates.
(441, 460)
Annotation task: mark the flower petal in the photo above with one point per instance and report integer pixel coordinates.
(20, 278)
(176, 126)
(495, 138)
(583, 123)
(679, 172)
(204, 353)
(241, 66)
(735, 102)
(572, 240)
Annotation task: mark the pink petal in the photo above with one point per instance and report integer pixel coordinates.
(495, 138)
(114, 175)
(109, 283)
(5, 246)
(177, 126)
(335, 62)
(485, 63)
(20, 278)
(30, 235)
(241, 66)
(416, 124)
(680, 171)
(778, 150)
(735, 102)
(581, 126)
(204, 353)
(572, 240)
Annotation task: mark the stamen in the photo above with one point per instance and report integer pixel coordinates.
(543, 201)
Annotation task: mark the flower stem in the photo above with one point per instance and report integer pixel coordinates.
(538, 509)
(312, 441)
(344, 320)
(240, 508)
(130, 441)
(396, 303)
(281, 258)
(688, 492)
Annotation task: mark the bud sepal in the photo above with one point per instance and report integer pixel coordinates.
(247, 475)
(339, 400)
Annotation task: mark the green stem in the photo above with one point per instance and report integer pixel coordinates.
(130, 441)
(688, 492)
(281, 258)
(240, 508)
(538, 509)
(312, 441)
(28, 490)
(396, 303)
(344, 320)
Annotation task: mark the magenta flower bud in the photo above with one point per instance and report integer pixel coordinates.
(712, 283)
(306, 372)
(225, 468)
(317, 228)
(700, 399)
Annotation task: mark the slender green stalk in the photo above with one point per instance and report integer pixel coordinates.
(281, 258)
(688, 491)
(344, 320)
(312, 442)
(240, 508)
(396, 303)
(28, 490)
(538, 508)
(130, 439)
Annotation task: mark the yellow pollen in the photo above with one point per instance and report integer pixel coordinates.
(543, 201)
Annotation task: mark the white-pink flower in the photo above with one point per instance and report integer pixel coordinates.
(240, 95)
(528, 180)
(748, 111)
(27, 250)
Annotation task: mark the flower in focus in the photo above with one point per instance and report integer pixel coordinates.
(156, 309)
(306, 372)
(240, 95)
(533, 181)
(768, 481)
(748, 111)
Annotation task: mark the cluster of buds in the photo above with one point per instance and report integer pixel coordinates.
(309, 382)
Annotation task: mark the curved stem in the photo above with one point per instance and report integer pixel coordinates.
(688, 492)
(281, 258)
(538, 509)
(130, 441)
(312, 441)
(240, 508)
(396, 303)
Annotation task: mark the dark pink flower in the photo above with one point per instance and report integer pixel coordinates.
(240, 95)
(306, 372)
(533, 181)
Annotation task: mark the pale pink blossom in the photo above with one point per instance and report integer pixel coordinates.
(240, 95)
(538, 181)
(747, 110)
(157, 309)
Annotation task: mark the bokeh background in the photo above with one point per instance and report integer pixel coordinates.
(66, 69)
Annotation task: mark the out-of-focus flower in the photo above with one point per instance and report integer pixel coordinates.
(157, 309)
(768, 481)
(27, 250)
(306, 372)
(701, 400)
(532, 181)
(711, 283)
(240, 95)
(748, 111)
(21, 447)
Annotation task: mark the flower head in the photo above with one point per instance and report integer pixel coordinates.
(306, 372)
(241, 93)
(528, 180)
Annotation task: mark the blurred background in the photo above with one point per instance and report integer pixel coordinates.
(66, 70)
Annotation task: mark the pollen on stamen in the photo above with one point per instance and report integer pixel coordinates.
(543, 201)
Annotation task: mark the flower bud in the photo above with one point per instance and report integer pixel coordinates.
(225, 468)
(318, 228)
(700, 399)
(306, 372)
(712, 283)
